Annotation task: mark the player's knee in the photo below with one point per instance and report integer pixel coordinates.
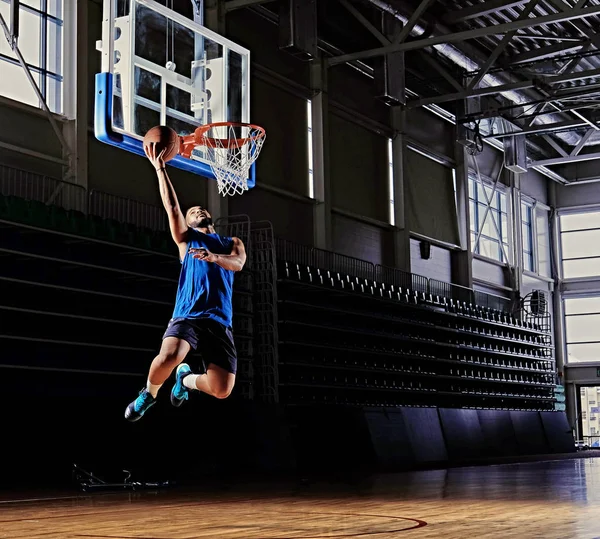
(169, 358)
(222, 392)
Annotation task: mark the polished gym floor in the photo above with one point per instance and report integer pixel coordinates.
(551, 499)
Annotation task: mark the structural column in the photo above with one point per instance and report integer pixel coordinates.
(81, 92)
(322, 217)
(462, 261)
(402, 226)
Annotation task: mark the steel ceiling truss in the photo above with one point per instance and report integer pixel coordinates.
(554, 75)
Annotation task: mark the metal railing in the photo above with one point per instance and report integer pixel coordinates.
(32, 186)
(400, 278)
(492, 301)
(326, 260)
(126, 210)
(355, 267)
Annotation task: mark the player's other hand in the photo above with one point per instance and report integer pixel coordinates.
(156, 159)
(203, 254)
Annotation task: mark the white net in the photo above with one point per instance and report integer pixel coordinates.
(231, 149)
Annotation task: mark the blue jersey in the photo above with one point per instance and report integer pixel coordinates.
(205, 288)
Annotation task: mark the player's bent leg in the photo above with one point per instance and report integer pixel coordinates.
(220, 381)
(172, 353)
(217, 381)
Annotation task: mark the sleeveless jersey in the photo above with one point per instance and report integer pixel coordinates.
(205, 288)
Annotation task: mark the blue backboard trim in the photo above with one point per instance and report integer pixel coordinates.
(104, 133)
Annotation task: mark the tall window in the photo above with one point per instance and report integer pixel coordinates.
(311, 177)
(391, 180)
(527, 234)
(582, 320)
(580, 241)
(41, 44)
(491, 222)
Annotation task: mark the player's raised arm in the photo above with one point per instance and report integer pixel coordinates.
(177, 224)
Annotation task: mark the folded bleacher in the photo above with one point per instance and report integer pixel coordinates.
(354, 340)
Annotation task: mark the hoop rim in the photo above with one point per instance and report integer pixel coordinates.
(201, 138)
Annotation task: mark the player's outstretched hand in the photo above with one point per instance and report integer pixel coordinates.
(202, 254)
(156, 160)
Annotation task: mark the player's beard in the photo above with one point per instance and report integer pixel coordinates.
(205, 222)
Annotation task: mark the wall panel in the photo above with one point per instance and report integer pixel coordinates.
(577, 195)
(431, 131)
(28, 129)
(292, 219)
(362, 240)
(489, 162)
(356, 91)
(431, 206)
(262, 39)
(283, 161)
(535, 185)
(359, 169)
(488, 272)
(128, 175)
(437, 267)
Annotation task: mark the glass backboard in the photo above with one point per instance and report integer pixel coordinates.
(160, 67)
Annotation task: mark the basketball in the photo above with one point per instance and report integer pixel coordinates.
(165, 138)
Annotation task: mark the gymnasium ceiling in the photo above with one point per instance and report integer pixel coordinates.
(525, 66)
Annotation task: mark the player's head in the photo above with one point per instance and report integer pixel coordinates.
(198, 217)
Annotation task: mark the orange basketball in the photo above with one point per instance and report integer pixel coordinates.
(164, 137)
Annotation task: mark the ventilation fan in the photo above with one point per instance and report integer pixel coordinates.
(536, 303)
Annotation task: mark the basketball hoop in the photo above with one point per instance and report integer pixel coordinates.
(230, 148)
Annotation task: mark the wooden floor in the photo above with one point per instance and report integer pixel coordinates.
(553, 499)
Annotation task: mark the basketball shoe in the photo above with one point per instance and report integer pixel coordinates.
(180, 393)
(138, 407)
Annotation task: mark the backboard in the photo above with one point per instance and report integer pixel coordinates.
(160, 67)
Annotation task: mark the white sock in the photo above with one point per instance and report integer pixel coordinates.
(152, 388)
(190, 381)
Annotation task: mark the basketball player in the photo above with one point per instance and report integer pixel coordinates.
(203, 312)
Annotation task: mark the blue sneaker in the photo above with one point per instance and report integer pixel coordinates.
(180, 393)
(138, 407)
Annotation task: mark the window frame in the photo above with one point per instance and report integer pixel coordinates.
(40, 70)
(564, 298)
(559, 230)
(533, 235)
(474, 204)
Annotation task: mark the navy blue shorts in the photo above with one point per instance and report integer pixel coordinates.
(212, 339)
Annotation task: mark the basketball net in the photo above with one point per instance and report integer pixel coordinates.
(230, 148)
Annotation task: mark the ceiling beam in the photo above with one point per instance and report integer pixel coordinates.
(410, 24)
(582, 142)
(570, 15)
(502, 88)
(428, 58)
(563, 160)
(501, 47)
(555, 145)
(541, 53)
(365, 22)
(238, 4)
(479, 10)
(540, 129)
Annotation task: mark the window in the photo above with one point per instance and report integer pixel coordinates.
(527, 234)
(40, 43)
(391, 180)
(584, 415)
(491, 223)
(311, 177)
(580, 242)
(582, 319)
